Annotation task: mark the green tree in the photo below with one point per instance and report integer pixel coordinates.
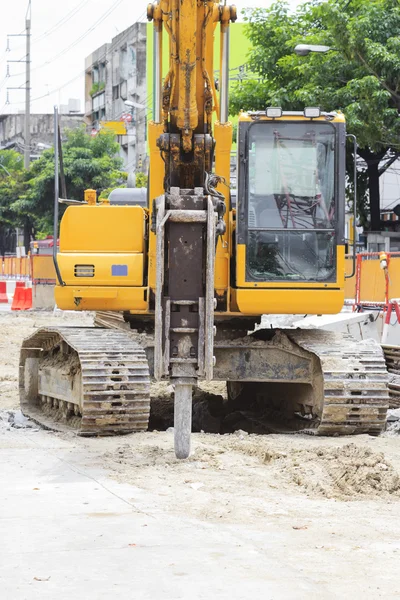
(27, 197)
(89, 163)
(361, 77)
(141, 179)
(11, 186)
(10, 163)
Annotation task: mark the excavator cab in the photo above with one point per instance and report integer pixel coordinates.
(290, 214)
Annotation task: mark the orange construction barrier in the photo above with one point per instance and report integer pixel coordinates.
(20, 284)
(13, 267)
(28, 299)
(3, 292)
(7, 266)
(22, 298)
(43, 270)
(18, 299)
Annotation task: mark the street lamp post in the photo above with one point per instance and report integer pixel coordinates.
(305, 49)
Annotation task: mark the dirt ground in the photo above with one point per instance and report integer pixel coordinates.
(340, 496)
(15, 327)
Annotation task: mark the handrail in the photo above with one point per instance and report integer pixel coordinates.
(353, 137)
(56, 194)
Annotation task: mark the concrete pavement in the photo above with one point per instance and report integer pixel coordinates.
(68, 532)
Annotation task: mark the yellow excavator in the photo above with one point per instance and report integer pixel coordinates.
(196, 268)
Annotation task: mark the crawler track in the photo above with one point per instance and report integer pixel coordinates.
(94, 380)
(356, 397)
(392, 356)
(314, 381)
(97, 381)
(356, 389)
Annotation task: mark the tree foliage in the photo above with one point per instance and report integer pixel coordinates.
(141, 179)
(27, 197)
(360, 77)
(11, 186)
(10, 162)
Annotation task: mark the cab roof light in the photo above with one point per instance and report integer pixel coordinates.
(312, 112)
(274, 112)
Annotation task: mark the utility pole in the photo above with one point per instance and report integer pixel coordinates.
(27, 88)
(27, 150)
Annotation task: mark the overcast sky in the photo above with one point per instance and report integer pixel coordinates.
(63, 34)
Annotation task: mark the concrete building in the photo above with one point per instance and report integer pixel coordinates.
(387, 240)
(12, 131)
(115, 92)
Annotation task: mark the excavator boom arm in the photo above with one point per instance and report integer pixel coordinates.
(187, 204)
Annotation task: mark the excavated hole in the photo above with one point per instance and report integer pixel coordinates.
(262, 410)
(207, 412)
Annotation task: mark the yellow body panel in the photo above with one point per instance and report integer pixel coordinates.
(102, 229)
(109, 239)
(103, 269)
(299, 301)
(101, 298)
(156, 189)
(223, 144)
